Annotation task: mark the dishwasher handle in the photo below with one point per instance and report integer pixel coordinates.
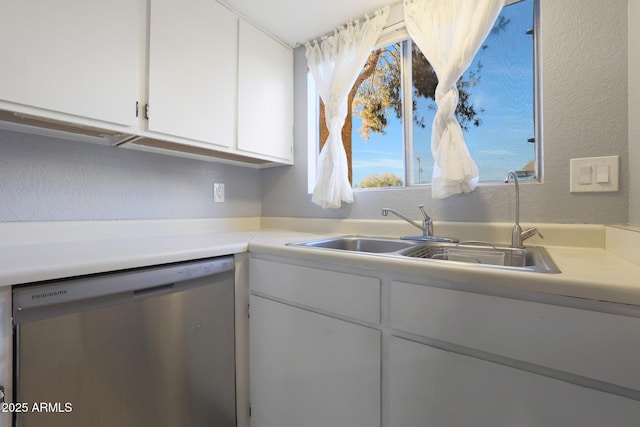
(156, 290)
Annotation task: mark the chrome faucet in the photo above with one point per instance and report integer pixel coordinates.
(517, 235)
(427, 224)
(426, 227)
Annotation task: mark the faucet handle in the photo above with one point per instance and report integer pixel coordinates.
(529, 232)
(424, 213)
(427, 224)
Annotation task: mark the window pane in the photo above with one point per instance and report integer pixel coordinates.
(377, 135)
(496, 107)
(424, 81)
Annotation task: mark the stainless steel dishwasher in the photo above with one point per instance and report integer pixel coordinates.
(146, 347)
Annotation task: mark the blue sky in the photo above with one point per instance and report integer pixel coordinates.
(505, 92)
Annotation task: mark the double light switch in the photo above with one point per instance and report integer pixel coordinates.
(594, 174)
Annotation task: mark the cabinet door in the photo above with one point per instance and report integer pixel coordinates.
(192, 70)
(265, 94)
(311, 370)
(562, 338)
(83, 58)
(432, 387)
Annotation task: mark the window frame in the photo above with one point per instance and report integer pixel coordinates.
(397, 32)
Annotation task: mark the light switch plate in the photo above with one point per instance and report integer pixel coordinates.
(597, 166)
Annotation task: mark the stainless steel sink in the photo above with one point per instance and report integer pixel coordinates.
(532, 258)
(359, 244)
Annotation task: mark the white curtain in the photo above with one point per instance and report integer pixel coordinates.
(449, 33)
(335, 63)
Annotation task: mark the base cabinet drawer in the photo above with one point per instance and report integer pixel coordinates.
(591, 344)
(432, 387)
(335, 292)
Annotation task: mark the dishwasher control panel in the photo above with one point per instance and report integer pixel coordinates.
(73, 289)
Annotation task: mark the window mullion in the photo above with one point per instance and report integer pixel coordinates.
(537, 93)
(407, 112)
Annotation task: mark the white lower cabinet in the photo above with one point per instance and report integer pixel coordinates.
(588, 343)
(333, 345)
(311, 370)
(432, 387)
(314, 346)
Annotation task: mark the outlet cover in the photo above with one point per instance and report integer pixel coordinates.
(218, 192)
(594, 174)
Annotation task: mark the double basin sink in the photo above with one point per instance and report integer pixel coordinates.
(532, 258)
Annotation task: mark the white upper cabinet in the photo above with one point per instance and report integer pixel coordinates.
(192, 70)
(188, 77)
(81, 58)
(265, 95)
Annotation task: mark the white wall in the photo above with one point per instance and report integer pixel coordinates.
(45, 179)
(586, 88)
(634, 111)
(584, 72)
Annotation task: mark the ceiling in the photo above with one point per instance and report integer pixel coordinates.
(298, 21)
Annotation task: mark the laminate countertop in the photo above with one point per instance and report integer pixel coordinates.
(593, 273)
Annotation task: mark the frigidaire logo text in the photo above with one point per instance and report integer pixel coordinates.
(49, 294)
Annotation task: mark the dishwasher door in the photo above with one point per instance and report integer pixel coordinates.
(143, 348)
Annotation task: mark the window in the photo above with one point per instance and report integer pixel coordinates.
(387, 136)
